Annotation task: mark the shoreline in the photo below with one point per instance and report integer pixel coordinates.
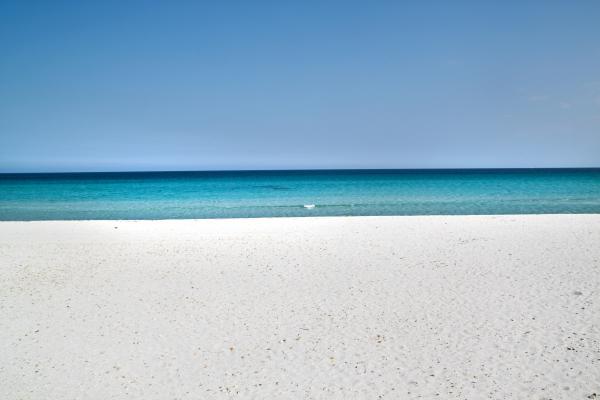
(308, 217)
(500, 306)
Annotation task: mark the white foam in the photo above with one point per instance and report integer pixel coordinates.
(309, 206)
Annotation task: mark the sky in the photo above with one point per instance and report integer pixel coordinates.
(174, 85)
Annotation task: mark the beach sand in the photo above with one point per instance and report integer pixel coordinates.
(450, 307)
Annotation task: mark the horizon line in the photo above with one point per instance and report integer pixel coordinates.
(300, 170)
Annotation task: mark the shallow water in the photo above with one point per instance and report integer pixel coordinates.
(170, 195)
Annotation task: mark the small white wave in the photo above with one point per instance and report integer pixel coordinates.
(309, 206)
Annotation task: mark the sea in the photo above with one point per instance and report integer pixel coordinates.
(297, 193)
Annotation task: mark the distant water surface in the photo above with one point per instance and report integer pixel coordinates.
(174, 195)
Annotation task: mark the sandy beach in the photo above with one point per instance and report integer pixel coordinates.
(449, 307)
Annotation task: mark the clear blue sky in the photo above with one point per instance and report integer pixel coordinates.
(145, 85)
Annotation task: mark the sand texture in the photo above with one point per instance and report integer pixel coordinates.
(464, 307)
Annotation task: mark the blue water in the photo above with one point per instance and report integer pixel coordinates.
(166, 195)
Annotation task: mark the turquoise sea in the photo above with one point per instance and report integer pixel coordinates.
(170, 195)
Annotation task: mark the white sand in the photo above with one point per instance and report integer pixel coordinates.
(314, 308)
